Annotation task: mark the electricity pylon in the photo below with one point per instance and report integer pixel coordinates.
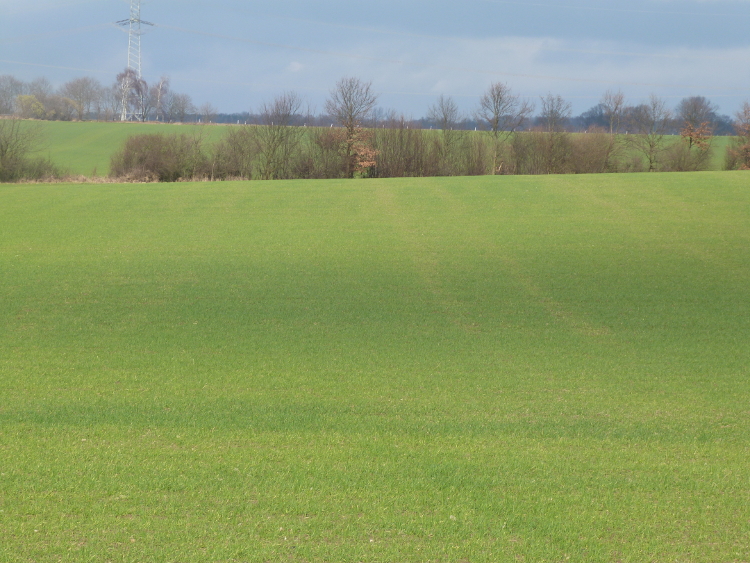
(134, 51)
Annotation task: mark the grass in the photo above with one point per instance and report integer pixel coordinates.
(486, 369)
(85, 148)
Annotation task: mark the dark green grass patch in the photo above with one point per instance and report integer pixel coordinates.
(486, 369)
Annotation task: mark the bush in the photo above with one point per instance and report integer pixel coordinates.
(235, 156)
(18, 141)
(679, 157)
(738, 153)
(400, 149)
(161, 158)
(594, 152)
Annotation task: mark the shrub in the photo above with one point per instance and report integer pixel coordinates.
(738, 153)
(162, 158)
(18, 141)
(235, 156)
(594, 152)
(680, 157)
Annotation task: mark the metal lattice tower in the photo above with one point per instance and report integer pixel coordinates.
(134, 50)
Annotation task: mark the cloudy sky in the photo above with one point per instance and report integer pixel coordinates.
(237, 54)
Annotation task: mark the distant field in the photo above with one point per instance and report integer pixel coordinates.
(486, 369)
(85, 148)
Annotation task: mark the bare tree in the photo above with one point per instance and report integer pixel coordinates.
(650, 123)
(613, 106)
(111, 102)
(501, 113)
(10, 89)
(444, 113)
(555, 141)
(351, 103)
(207, 112)
(158, 94)
(696, 111)
(134, 95)
(84, 93)
(555, 113)
(279, 138)
(698, 117)
(142, 100)
(401, 147)
(42, 89)
(177, 107)
(235, 155)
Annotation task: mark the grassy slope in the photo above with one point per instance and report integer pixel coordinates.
(85, 148)
(488, 369)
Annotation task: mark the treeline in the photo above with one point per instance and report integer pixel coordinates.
(133, 98)
(88, 99)
(510, 136)
(632, 139)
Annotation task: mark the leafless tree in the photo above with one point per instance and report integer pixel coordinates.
(555, 142)
(111, 102)
(697, 118)
(207, 112)
(236, 154)
(134, 94)
(696, 111)
(37, 100)
(501, 113)
(613, 105)
(444, 113)
(41, 88)
(278, 137)
(158, 94)
(555, 113)
(177, 107)
(649, 123)
(142, 100)
(10, 89)
(401, 148)
(351, 103)
(84, 93)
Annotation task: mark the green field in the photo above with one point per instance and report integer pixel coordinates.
(492, 369)
(85, 148)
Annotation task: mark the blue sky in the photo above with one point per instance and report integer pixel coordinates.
(238, 54)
